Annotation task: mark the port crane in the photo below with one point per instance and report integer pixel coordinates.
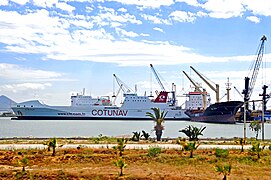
(116, 96)
(249, 86)
(125, 88)
(197, 89)
(215, 89)
(195, 84)
(157, 78)
(250, 82)
(238, 91)
(122, 87)
(173, 98)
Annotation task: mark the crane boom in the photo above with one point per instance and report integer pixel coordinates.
(250, 86)
(122, 85)
(238, 91)
(116, 96)
(215, 89)
(197, 87)
(157, 78)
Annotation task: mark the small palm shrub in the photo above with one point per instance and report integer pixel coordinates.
(100, 138)
(257, 148)
(224, 169)
(242, 142)
(188, 146)
(256, 127)
(154, 151)
(120, 149)
(121, 164)
(193, 132)
(136, 136)
(52, 143)
(121, 146)
(23, 162)
(145, 135)
(159, 118)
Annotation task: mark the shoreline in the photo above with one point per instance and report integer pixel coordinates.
(120, 136)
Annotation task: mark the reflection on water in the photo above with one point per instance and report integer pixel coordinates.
(84, 128)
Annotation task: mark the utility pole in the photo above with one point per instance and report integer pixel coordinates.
(265, 96)
(246, 99)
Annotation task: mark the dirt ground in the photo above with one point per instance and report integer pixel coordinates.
(87, 163)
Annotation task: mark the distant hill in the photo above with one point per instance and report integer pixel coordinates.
(5, 104)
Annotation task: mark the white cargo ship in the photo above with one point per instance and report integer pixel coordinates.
(85, 107)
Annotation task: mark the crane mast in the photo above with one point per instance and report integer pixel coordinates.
(157, 78)
(215, 89)
(249, 86)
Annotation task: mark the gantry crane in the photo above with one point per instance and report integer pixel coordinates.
(215, 89)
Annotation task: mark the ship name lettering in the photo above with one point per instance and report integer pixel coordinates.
(108, 112)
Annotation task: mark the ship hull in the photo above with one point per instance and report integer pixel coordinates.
(221, 113)
(218, 119)
(104, 113)
(93, 118)
(134, 107)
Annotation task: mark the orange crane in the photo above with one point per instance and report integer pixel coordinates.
(197, 89)
(215, 89)
(196, 85)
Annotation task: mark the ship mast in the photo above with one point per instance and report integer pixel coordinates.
(228, 88)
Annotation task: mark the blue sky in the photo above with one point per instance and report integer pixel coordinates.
(50, 49)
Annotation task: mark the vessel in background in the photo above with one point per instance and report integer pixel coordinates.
(84, 107)
(222, 112)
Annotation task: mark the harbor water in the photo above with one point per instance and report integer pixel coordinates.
(86, 128)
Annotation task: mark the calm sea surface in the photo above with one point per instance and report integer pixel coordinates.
(82, 128)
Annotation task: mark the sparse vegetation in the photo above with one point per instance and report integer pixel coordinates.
(223, 153)
(256, 127)
(89, 163)
(154, 151)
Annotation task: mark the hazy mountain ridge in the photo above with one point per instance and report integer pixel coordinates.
(6, 103)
